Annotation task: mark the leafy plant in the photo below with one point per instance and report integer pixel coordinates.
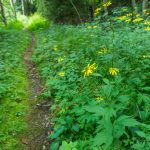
(98, 85)
(36, 22)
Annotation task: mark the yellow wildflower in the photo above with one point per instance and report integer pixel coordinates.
(107, 4)
(55, 48)
(97, 11)
(137, 15)
(146, 12)
(60, 59)
(128, 20)
(99, 98)
(121, 18)
(145, 56)
(113, 71)
(89, 27)
(147, 22)
(103, 51)
(89, 69)
(147, 29)
(138, 20)
(129, 14)
(62, 74)
(94, 27)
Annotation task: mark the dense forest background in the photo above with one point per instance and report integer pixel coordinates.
(66, 11)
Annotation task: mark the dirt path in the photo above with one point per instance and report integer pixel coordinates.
(35, 137)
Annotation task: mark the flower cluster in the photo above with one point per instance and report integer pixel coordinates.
(128, 20)
(138, 20)
(147, 29)
(147, 23)
(129, 14)
(146, 12)
(96, 12)
(107, 4)
(121, 18)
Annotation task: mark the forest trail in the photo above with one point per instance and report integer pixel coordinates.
(36, 136)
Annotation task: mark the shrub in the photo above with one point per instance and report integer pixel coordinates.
(36, 22)
(15, 25)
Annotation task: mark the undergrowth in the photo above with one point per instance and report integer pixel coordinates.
(98, 81)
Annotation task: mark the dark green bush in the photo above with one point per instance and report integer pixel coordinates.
(62, 11)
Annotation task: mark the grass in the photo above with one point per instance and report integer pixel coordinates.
(13, 87)
(97, 79)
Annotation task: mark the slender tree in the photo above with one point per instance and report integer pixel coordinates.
(134, 5)
(2, 12)
(12, 4)
(105, 7)
(145, 6)
(23, 7)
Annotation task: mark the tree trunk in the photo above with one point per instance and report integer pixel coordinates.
(23, 3)
(145, 6)
(105, 8)
(134, 6)
(12, 3)
(23, 8)
(2, 12)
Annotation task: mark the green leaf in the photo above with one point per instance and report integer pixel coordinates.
(94, 109)
(68, 146)
(140, 134)
(127, 121)
(54, 146)
(124, 98)
(75, 127)
(58, 132)
(103, 138)
(106, 81)
(121, 123)
(96, 75)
